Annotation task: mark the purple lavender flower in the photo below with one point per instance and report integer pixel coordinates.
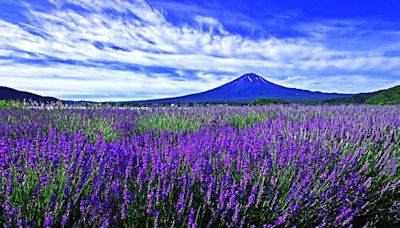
(9, 188)
(273, 181)
(48, 221)
(21, 222)
(191, 222)
(281, 220)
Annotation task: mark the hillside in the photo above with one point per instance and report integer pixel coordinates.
(387, 97)
(382, 97)
(16, 95)
(355, 99)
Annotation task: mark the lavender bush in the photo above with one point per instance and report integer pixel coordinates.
(272, 166)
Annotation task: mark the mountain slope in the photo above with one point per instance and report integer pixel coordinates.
(246, 88)
(355, 99)
(12, 94)
(382, 97)
(387, 97)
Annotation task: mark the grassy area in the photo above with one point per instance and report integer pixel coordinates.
(250, 119)
(10, 104)
(268, 101)
(168, 123)
(387, 97)
(89, 126)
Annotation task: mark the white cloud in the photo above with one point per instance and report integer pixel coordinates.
(147, 39)
(211, 24)
(344, 82)
(63, 80)
(207, 20)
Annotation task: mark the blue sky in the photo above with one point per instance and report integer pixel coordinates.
(131, 50)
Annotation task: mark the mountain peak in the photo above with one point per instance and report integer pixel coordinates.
(251, 75)
(253, 78)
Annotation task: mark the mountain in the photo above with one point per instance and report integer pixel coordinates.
(12, 94)
(386, 97)
(249, 87)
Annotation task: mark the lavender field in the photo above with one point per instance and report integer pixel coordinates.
(270, 166)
